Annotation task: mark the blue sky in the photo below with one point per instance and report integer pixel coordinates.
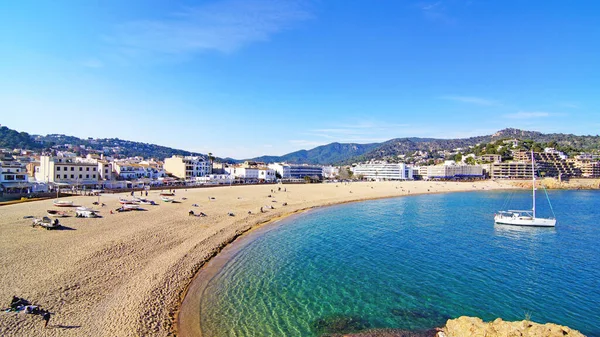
(253, 77)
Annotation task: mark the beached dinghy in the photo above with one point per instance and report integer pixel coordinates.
(62, 203)
(127, 202)
(46, 222)
(84, 212)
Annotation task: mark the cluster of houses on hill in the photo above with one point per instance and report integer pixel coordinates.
(27, 172)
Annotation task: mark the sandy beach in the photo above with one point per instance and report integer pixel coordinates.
(125, 274)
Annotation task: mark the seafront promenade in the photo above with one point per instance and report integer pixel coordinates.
(125, 274)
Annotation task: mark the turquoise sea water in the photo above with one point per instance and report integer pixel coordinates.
(411, 263)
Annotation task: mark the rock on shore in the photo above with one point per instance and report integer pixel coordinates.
(474, 327)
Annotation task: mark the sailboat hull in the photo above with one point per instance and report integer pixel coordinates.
(524, 221)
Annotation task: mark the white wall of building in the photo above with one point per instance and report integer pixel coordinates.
(384, 171)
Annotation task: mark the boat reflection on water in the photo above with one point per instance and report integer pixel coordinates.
(519, 232)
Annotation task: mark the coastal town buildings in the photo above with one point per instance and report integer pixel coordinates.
(383, 171)
(511, 170)
(13, 176)
(250, 172)
(330, 172)
(282, 169)
(69, 170)
(491, 158)
(300, 171)
(126, 170)
(452, 171)
(549, 163)
(589, 169)
(188, 167)
(105, 170)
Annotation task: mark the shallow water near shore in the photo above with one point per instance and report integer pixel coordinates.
(411, 263)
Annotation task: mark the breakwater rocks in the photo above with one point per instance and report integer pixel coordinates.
(474, 327)
(555, 184)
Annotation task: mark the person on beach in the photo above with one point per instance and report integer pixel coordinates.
(46, 318)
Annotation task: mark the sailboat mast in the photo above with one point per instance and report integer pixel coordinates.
(533, 185)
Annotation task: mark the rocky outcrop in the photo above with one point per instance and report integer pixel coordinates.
(475, 327)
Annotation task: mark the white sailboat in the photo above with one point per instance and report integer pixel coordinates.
(524, 218)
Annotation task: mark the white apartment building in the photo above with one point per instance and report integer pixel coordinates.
(13, 176)
(330, 172)
(105, 170)
(281, 168)
(384, 171)
(243, 174)
(453, 171)
(266, 174)
(187, 167)
(126, 170)
(67, 170)
(250, 174)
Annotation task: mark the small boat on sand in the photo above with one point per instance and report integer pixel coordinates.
(167, 194)
(62, 203)
(167, 199)
(46, 222)
(127, 201)
(84, 212)
(146, 201)
(131, 207)
(56, 214)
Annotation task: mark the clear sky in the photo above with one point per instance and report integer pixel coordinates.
(243, 78)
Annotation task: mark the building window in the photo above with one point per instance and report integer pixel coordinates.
(81, 169)
(72, 168)
(65, 176)
(58, 176)
(87, 168)
(106, 171)
(80, 176)
(94, 169)
(94, 176)
(58, 168)
(87, 175)
(72, 176)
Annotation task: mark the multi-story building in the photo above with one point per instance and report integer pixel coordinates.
(549, 164)
(105, 170)
(282, 168)
(243, 174)
(454, 172)
(187, 167)
(511, 170)
(127, 170)
(305, 170)
(330, 172)
(383, 171)
(13, 176)
(251, 172)
(589, 169)
(67, 170)
(491, 158)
